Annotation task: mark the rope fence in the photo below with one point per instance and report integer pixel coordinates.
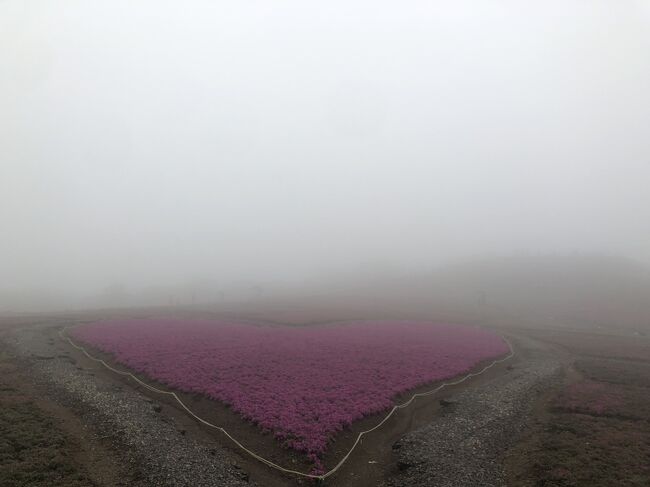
(64, 337)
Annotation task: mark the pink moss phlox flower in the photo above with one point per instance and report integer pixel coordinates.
(303, 384)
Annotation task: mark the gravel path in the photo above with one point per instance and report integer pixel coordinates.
(464, 446)
(156, 449)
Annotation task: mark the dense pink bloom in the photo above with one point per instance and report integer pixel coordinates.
(301, 383)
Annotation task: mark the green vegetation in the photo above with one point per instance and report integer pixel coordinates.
(33, 450)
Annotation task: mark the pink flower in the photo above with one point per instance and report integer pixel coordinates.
(304, 384)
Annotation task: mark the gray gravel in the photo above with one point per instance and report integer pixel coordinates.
(464, 446)
(156, 450)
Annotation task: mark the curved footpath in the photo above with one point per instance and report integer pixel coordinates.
(461, 447)
(465, 446)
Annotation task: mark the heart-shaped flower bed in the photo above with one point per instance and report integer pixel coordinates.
(302, 383)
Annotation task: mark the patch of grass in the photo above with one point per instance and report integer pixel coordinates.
(594, 433)
(616, 371)
(582, 450)
(33, 450)
(593, 345)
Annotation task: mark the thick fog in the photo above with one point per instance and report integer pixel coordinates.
(152, 143)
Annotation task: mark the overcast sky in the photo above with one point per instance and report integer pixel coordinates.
(152, 142)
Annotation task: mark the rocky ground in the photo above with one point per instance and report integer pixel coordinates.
(157, 452)
(465, 445)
